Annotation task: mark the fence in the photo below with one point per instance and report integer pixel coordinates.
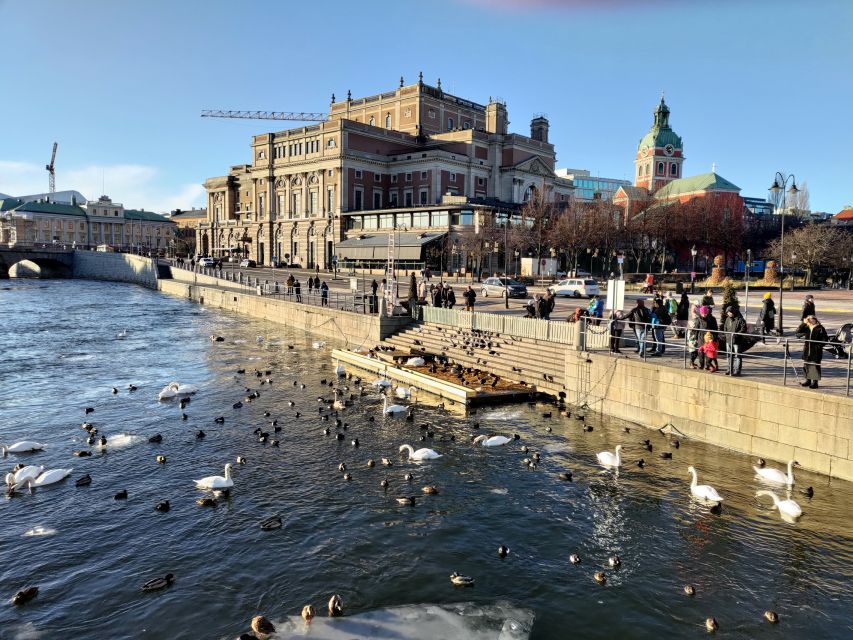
(777, 362)
(559, 332)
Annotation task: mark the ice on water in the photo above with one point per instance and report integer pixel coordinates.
(463, 621)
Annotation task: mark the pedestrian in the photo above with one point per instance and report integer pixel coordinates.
(451, 298)
(470, 298)
(444, 296)
(639, 319)
(650, 283)
(289, 282)
(428, 274)
(707, 321)
(595, 309)
(324, 294)
(192, 264)
(436, 295)
(297, 288)
(422, 291)
(693, 334)
(374, 299)
(671, 305)
(808, 308)
(682, 313)
(530, 308)
(708, 299)
(617, 325)
(767, 317)
(310, 286)
(552, 302)
(708, 353)
(735, 327)
(816, 337)
(660, 321)
(541, 307)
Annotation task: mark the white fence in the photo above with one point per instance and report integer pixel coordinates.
(546, 330)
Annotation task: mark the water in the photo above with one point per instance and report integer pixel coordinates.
(60, 354)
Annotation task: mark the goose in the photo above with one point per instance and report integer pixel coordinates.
(308, 612)
(420, 454)
(30, 471)
(336, 606)
(492, 441)
(24, 446)
(404, 392)
(262, 626)
(607, 459)
(461, 581)
(703, 491)
(393, 409)
(43, 480)
(786, 507)
(775, 475)
(217, 482)
(159, 583)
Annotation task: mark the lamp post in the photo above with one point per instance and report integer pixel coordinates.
(506, 265)
(793, 269)
(693, 252)
(778, 191)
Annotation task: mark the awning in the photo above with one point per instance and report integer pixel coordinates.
(374, 246)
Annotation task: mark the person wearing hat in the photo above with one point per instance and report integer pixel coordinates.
(808, 307)
(735, 326)
(816, 337)
(767, 317)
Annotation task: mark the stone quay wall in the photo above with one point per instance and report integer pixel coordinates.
(116, 267)
(765, 420)
(354, 330)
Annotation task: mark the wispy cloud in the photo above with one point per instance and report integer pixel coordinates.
(135, 186)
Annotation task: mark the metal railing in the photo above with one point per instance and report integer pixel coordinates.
(674, 345)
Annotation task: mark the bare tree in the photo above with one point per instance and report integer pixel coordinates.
(813, 246)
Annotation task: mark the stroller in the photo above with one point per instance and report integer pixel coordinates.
(840, 344)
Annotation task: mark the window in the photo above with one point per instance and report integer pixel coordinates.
(439, 219)
(393, 178)
(673, 169)
(453, 177)
(371, 222)
(331, 143)
(359, 203)
(377, 177)
(386, 221)
(372, 122)
(407, 198)
(450, 124)
(660, 168)
(313, 202)
(331, 171)
(408, 177)
(354, 222)
(420, 219)
(423, 175)
(431, 114)
(387, 120)
(330, 199)
(481, 181)
(358, 174)
(424, 196)
(261, 204)
(393, 199)
(377, 200)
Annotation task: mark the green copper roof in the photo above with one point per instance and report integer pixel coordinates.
(703, 182)
(51, 207)
(661, 134)
(10, 203)
(135, 214)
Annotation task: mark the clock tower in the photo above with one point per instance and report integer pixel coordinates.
(659, 154)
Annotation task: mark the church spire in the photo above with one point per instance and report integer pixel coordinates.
(662, 115)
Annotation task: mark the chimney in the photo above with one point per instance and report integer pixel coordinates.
(496, 117)
(539, 128)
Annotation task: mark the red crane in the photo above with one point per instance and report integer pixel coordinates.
(51, 170)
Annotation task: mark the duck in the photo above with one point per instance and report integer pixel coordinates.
(161, 459)
(24, 446)
(25, 595)
(347, 477)
(410, 500)
(503, 551)
(394, 409)
(703, 491)
(262, 626)
(566, 475)
(575, 558)
(387, 463)
(711, 624)
(162, 507)
(340, 370)
(408, 477)
(308, 612)
(206, 502)
(690, 590)
(217, 482)
(420, 454)
(370, 464)
(491, 441)
(115, 391)
(336, 606)
(808, 492)
(461, 581)
(607, 459)
(157, 439)
(121, 495)
(157, 584)
(775, 475)
(786, 507)
(84, 481)
(273, 522)
(771, 616)
(430, 490)
(384, 483)
(599, 577)
(44, 479)
(614, 561)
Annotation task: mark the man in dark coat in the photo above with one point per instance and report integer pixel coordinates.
(639, 319)
(470, 297)
(816, 337)
(808, 308)
(734, 325)
(767, 316)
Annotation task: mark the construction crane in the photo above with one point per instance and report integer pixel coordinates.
(51, 169)
(299, 116)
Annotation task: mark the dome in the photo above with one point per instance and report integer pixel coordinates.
(661, 134)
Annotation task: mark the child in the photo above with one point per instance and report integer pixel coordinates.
(708, 353)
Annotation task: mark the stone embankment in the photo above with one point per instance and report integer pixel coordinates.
(116, 267)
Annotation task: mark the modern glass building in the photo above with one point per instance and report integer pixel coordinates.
(589, 187)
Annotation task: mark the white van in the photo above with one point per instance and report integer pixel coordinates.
(575, 287)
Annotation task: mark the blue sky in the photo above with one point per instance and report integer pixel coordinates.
(754, 86)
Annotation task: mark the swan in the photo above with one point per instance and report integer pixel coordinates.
(415, 362)
(392, 409)
(608, 459)
(122, 334)
(217, 482)
(777, 476)
(492, 441)
(18, 477)
(703, 491)
(404, 393)
(44, 479)
(786, 507)
(420, 454)
(177, 390)
(24, 446)
(318, 344)
(381, 383)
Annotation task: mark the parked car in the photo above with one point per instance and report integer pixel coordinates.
(206, 262)
(575, 287)
(500, 286)
(246, 263)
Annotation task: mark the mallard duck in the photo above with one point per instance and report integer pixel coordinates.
(206, 502)
(575, 558)
(599, 577)
(690, 590)
(162, 507)
(336, 606)
(273, 522)
(262, 626)
(461, 581)
(85, 481)
(25, 595)
(711, 624)
(159, 583)
(308, 612)
(161, 459)
(771, 616)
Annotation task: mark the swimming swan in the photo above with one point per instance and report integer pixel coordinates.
(44, 479)
(177, 390)
(777, 476)
(381, 383)
(392, 409)
(404, 392)
(703, 491)
(217, 482)
(493, 441)
(24, 446)
(18, 477)
(607, 459)
(420, 454)
(786, 507)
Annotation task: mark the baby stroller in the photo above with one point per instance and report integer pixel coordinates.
(840, 344)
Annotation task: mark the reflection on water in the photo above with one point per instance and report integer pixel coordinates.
(90, 553)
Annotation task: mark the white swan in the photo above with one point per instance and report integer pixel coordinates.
(340, 370)
(122, 334)
(492, 441)
(404, 392)
(607, 459)
(786, 507)
(420, 454)
(381, 383)
(120, 441)
(777, 476)
(394, 409)
(703, 491)
(177, 390)
(415, 362)
(319, 344)
(24, 446)
(217, 482)
(47, 478)
(31, 471)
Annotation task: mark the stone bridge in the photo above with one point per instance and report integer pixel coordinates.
(41, 262)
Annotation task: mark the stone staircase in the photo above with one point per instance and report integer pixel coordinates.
(535, 362)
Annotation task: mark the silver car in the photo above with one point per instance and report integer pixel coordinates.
(501, 286)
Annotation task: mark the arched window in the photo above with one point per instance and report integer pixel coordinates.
(387, 120)
(660, 168)
(640, 172)
(673, 169)
(372, 122)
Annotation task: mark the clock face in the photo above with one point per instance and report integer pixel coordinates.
(669, 149)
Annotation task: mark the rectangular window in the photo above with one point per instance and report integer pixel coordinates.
(439, 219)
(420, 219)
(386, 221)
(407, 198)
(371, 222)
(453, 177)
(314, 202)
(393, 178)
(260, 204)
(377, 177)
(450, 124)
(408, 177)
(423, 175)
(392, 198)
(358, 203)
(330, 199)
(358, 174)
(354, 222)
(481, 181)
(424, 196)
(377, 200)
(331, 172)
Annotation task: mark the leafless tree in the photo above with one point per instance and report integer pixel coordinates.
(813, 246)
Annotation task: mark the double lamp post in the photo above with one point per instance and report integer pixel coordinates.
(778, 191)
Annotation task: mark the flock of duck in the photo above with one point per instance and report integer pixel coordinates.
(346, 390)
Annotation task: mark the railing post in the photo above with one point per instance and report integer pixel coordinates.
(849, 354)
(785, 369)
(645, 346)
(685, 347)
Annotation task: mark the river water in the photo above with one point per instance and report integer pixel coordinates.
(60, 353)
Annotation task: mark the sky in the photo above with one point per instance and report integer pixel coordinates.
(754, 86)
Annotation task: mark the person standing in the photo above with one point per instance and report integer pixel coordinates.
(470, 297)
(767, 316)
(310, 286)
(735, 326)
(374, 300)
(617, 325)
(816, 337)
(640, 318)
(650, 283)
(289, 282)
(708, 353)
(808, 308)
(708, 300)
(682, 312)
(297, 289)
(451, 298)
(324, 294)
(693, 335)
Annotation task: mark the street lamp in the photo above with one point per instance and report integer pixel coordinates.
(793, 269)
(693, 252)
(778, 191)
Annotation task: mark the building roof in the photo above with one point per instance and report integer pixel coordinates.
(703, 182)
(8, 203)
(845, 214)
(661, 134)
(136, 214)
(51, 207)
(633, 192)
(63, 197)
(374, 246)
(189, 215)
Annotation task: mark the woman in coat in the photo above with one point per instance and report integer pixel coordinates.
(816, 337)
(767, 316)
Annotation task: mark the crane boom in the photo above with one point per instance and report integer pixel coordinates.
(299, 116)
(51, 170)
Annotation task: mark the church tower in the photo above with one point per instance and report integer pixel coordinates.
(659, 154)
